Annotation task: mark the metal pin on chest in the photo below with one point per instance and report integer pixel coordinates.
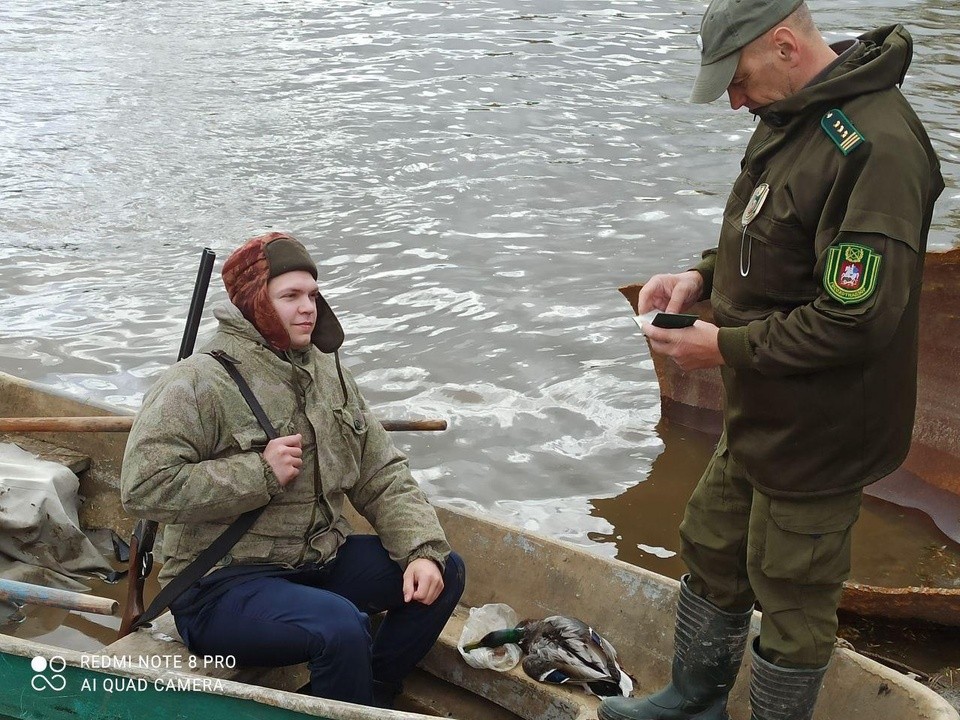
(750, 212)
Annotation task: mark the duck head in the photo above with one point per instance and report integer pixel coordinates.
(499, 637)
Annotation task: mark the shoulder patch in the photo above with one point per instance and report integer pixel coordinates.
(838, 128)
(851, 273)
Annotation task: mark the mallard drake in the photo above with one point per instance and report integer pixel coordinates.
(564, 650)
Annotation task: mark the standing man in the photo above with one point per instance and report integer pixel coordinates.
(815, 288)
(298, 586)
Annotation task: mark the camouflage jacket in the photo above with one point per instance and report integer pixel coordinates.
(193, 459)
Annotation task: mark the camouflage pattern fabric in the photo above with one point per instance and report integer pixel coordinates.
(193, 460)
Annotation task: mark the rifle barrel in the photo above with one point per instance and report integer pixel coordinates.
(196, 303)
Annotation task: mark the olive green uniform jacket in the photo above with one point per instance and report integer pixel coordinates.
(820, 394)
(193, 459)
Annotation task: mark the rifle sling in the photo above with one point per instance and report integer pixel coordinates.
(229, 537)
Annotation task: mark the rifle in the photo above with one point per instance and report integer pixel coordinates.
(145, 531)
(141, 564)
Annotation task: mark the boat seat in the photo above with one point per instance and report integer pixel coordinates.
(161, 643)
(76, 461)
(513, 690)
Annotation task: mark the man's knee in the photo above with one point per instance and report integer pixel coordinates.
(455, 574)
(717, 568)
(799, 558)
(340, 630)
(454, 580)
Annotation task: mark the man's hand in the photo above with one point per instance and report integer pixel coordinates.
(670, 293)
(422, 581)
(284, 455)
(692, 348)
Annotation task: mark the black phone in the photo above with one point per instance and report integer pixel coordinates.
(673, 320)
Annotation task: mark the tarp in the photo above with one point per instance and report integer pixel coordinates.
(40, 537)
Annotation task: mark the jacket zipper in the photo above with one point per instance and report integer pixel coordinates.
(301, 407)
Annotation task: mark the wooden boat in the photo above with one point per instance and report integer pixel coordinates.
(929, 479)
(535, 575)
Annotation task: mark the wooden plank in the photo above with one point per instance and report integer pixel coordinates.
(59, 692)
(428, 695)
(522, 694)
(30, 594)
(123, 423)
(76, 461)
(163, 640)
(939, 606)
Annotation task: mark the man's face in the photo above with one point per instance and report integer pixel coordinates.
(762, 77)
(294, 297)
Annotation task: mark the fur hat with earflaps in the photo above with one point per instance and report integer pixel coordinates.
(246, 274)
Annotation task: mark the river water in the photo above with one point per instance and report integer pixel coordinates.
(475, 178)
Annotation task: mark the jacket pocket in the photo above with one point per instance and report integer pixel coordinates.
(188, 541)
(808, 541)
(254, 438)
(767, 265)
(352, 419)
(249, 552)
(785, 259)
(353, 429)
(353, 425)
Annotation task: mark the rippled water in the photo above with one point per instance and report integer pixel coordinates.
(476, 178)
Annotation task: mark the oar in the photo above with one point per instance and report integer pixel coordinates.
(123, 423)
(27, 593)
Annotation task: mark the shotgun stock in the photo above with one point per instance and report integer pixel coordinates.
(141, 564)
(145, 532)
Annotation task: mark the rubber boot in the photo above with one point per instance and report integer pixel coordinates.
(708, 648)
(779, 693)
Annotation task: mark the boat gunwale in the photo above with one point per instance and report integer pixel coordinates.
(306, 704)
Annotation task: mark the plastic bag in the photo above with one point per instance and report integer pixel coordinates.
(484, 619)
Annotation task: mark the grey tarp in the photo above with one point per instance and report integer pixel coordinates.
(40, 536)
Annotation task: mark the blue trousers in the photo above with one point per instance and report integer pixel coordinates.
(320, 615)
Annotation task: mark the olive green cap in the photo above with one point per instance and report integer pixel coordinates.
(728, 26)
(286, 254)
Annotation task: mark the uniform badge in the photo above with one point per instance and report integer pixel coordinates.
(851, 273)
(838, 128)
(752, 209)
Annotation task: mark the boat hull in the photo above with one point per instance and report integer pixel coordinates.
(69, 688)
(537, 576)
(929, 479)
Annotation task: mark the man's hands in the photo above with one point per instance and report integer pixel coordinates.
(422, 581)
(284, 455)
(670, 293)
(691, 348)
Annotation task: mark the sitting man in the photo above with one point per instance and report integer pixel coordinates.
(297, 586)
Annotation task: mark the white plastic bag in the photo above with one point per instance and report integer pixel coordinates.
(494, 616)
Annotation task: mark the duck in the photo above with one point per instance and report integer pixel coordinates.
(564, 650)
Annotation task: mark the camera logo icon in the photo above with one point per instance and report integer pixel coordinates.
(48, 673)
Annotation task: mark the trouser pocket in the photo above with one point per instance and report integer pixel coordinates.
(808, 541)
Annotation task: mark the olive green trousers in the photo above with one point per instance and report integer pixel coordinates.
(790, 555)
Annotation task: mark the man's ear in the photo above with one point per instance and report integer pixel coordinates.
(786, 45)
